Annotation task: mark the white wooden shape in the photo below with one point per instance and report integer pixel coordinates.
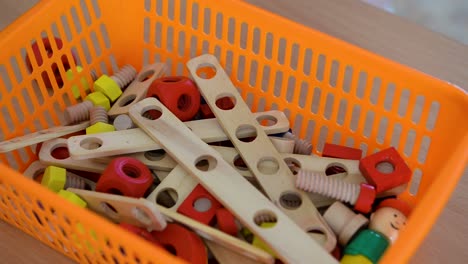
(137, 89)
(40, 136)
(34, 170)
(138, 212)
(135, 140)
(278, 183)
(288, 241)
(283, 145)
(226, 256)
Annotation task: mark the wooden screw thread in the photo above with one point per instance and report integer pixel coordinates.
(78, 113)
(75, 182)
(124, 76)
(98, 114)
(319, 183)
(301, 146)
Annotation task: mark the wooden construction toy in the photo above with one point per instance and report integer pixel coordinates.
(386, 222)
(344, 222)
(98, 114)
(99, 99)
(362, 195)
(154, 160)
(99, 127)
(112, 86)
(136, 140)
(399, 173)
(257, 242)
(126, 205)
(40, 136)
(226, 256)
(72, 197)
(226, 222)
(123, 122)
(341, 152)
(301, 146)
(208, 167)
(141, 232)
(259, 153)
(54, 178)
(283, 145)
(138, 212)
(125, 176)
(200, 205)
(137, 89)
(78, 113)
(178, 93)
(182, 243)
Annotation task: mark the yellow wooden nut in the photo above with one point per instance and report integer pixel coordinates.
(99, 127)
(73, 198)
(260, 244)
(75, 88)
(99, 99)
(108, 86)
(54, 178)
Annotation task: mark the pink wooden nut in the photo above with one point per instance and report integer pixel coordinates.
(399, 174)
(125, 176)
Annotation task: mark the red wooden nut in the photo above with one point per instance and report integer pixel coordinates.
(226, 221)
(179, 94)
(341, 152)
(191, 206)
(125, 176)
(182, 243)
(206, 112)
(39, 58)
(383, 181)
(140, 232)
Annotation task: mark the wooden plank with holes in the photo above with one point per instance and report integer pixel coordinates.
(139, 211)
(265, 163)
(136, 90)
(40, 136)
(135, 140)
(289, 242)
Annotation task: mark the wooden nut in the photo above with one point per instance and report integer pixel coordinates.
(54, 178)
(226, 221)
(99, 127)
(125, 176)
(397, 173)
(73, 198)
(99, 99)
(200, 205)
(179, 94)
(108, 87)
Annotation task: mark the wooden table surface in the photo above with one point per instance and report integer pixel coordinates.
(361, 25)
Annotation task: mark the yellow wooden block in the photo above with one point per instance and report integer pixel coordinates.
(54, 178)
(260, 244)
(73, 198)
(99, 99)
(75, 88)
(107, 86)
(99, 127)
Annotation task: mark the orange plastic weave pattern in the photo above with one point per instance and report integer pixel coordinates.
(331, 91)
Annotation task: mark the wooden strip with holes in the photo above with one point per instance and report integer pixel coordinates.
(277, 181)
(288, 241)
(40, 136)
(138, 212)
(135, 140)
(136, 91)
(126, 208)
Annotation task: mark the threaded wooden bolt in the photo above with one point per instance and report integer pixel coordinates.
(98, 114)
(124, 76)
(74, 181)
(360, 195)
(301, 146)
(78, 113)
(112, 86)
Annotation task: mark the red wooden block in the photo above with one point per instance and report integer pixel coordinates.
(365, 199)
(141, 232)
(182, 243)
(383, 181)
(226, 221)
(179, 94)
(341, 152)
(204, 216)
(125, 176)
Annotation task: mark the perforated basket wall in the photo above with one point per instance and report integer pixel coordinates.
(330, 90)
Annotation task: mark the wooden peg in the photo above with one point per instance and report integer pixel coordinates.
(288, 241)
(135, 140)
(40, 136)
(138, 212)
(259, 153)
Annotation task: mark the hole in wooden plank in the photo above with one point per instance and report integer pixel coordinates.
(293, 164)
(265, 216)
(206, 71)
(268, 165)
(243, 130)
(239, 163)
(335, 168)
(167, 197)
(415, 182)
(225, 101)
(91, 143)
(151, 112)
(206, 163)
(290, 200)
(155, 155)
(109, 210)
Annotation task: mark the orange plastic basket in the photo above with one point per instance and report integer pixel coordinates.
(331, 91)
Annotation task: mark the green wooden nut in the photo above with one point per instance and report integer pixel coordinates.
(99, 99)
(73, 198)
(260, 244)
(75, 88)
(54, 178)
(99, 127)
(107, 86)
